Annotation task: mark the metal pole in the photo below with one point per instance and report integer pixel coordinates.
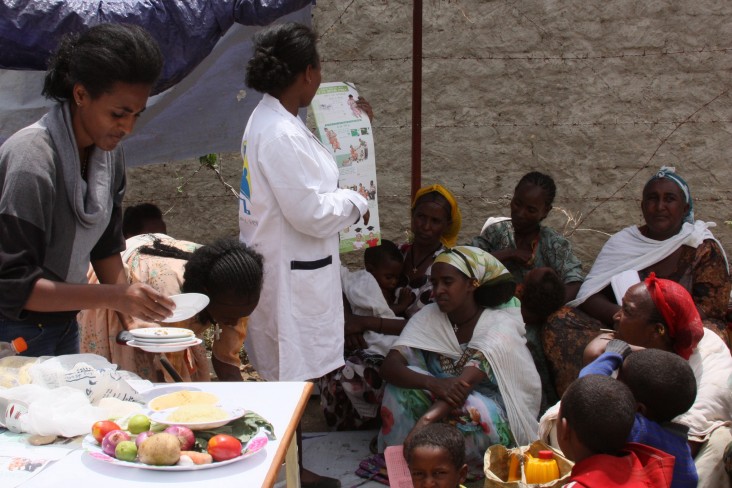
(417, 97)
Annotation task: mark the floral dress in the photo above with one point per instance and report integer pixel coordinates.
(482, 419)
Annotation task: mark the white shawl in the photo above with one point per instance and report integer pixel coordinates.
(629, 249)
(500, 336)
(364, 294)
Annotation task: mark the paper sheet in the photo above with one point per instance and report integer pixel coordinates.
(20, 461)
(396, 468)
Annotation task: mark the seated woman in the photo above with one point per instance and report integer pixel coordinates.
(672, 245)
(660, 314)
(227, 271)
(435, 223)
(463, 360)
(521, 243)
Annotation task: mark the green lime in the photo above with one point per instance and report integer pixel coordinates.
(138, 423)
(126, 451)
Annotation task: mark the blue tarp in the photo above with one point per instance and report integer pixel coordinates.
(186, 30)
(202, 103)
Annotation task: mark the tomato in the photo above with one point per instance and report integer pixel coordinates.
(222, 447)
(102, 428)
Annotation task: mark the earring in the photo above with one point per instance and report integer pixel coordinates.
(661, 331)
(78, 103)
(476, 283)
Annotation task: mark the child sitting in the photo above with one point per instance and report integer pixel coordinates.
(371, 291)
(664, 387)
(542, 294)
(386, 263)
(596, 416)
(436, 457)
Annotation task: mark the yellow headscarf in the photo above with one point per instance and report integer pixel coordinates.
(449, 238)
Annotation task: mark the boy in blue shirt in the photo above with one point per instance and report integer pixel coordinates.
(664, 386)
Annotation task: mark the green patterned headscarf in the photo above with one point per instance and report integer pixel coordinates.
(476, 264)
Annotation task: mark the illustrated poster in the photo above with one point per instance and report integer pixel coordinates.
(346, 130)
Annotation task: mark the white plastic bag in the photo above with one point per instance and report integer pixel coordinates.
(61, 411)
(92, 374)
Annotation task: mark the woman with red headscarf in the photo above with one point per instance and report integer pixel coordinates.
(661, 314)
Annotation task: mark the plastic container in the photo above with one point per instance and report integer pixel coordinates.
(542, 469)
(514, 466)
(16, 346)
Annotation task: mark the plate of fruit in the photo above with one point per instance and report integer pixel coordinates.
(175, 448)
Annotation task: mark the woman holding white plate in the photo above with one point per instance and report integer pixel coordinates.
(227, 271)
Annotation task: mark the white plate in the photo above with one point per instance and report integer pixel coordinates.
(163, 342)
(186, 306)
(94, 450)
(175, 347)
(162, 333)
(161, 417)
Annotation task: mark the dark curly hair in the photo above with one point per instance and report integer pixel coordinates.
(543, 181)
(99, 58)
(136, 216)
(281, 52)
(226, 265)
(594, 393)
(441, 435)
(662, 381)
(545, 295)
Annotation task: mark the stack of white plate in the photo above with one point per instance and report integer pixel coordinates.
(163, 339)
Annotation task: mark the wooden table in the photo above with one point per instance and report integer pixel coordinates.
(282, 403)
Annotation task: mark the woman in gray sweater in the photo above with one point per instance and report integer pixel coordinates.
(62, 181)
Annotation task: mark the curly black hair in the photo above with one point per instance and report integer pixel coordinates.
(100, 57)
(281, 52)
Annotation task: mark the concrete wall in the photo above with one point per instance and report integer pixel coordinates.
(598, 94)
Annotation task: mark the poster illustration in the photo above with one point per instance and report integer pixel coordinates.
(344, 129)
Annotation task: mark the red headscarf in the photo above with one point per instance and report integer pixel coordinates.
(679, 311)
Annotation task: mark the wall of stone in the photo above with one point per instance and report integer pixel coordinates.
(599, 95)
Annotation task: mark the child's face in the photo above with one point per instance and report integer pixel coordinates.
(387, 274)
(431, 467)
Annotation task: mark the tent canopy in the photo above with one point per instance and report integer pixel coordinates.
(201, 105)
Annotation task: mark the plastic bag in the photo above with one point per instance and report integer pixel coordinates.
(496, 464)
(14, 370)
(64, 393)
(61, 411)
(90, 373)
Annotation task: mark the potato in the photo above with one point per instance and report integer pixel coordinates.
(159, 450)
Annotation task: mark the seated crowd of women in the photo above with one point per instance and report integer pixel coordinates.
(447, 363)
(487, 335)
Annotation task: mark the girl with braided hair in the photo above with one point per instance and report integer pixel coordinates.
(227, 271)
(522, 243)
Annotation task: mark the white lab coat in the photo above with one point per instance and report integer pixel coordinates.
(291, 211)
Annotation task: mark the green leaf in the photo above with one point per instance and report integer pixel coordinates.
(243, 428)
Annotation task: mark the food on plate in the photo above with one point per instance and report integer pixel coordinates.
(183, 397)
(102, 428)
(138, 423)
(110, 441)
(116, 408)
(196, 414)
(126, 451)
(142, 436)
(223, 446)
(184, 435)
(160, 450)
(196, 457)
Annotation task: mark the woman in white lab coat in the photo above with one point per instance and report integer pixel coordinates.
(291, 211)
